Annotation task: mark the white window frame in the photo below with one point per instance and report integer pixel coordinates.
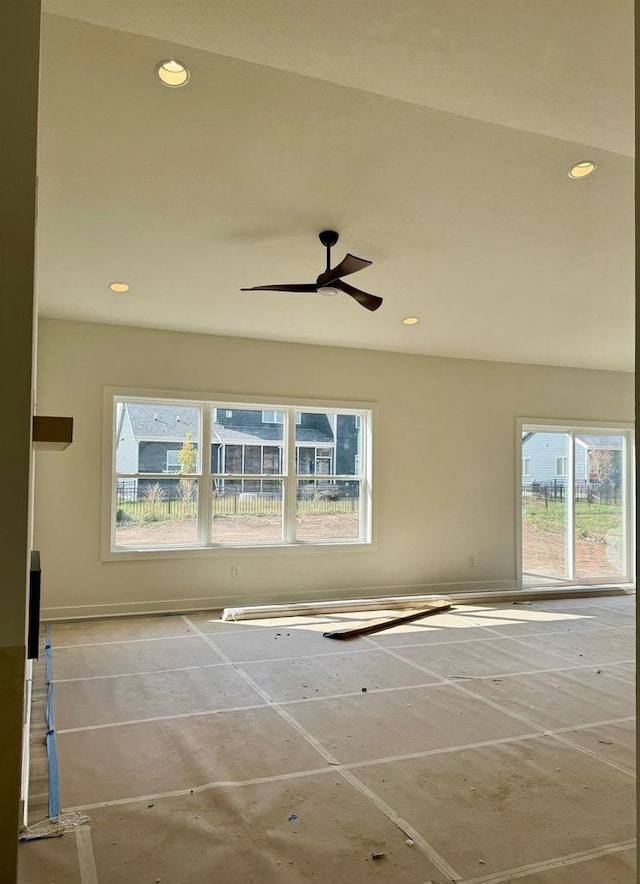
(563, 472)
(206, 402)
(526, 467)
(574, 429)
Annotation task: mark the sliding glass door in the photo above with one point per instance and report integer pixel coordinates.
(575, 503)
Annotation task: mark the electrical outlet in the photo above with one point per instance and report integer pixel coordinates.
(471, 561)
(235, 570)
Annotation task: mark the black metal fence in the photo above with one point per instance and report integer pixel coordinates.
(588, 492)
(154, 504)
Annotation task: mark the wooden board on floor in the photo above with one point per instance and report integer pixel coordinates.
(388, 622)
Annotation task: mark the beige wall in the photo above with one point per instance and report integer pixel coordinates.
(444, 463)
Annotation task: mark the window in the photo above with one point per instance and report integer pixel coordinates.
(173, 462)
(273, 417)
(264, 477)
(276, 417)
(526, 466)
(562, 466)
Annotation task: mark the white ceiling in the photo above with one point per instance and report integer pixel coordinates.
(434, 135)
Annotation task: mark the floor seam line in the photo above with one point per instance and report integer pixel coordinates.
(350, 765)
(523, 719)
(426, 848)
(522, 640)
(557, 862)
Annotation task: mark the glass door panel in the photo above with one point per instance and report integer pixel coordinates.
(599, 507)
(546, 511)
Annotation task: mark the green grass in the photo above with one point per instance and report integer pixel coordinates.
(592, 520)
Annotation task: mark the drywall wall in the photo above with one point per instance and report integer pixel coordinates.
(444, 464)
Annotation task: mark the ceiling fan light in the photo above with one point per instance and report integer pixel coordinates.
(328, 290)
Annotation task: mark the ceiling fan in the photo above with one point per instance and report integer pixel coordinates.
(330, 282)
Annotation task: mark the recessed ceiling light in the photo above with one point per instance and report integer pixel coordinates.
(173, 73)
(410, 320)
(581, 170)
(119, 286)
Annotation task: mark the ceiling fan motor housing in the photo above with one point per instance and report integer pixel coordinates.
(328, 238)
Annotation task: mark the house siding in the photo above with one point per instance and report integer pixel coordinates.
(543, 449)
(337, 436)
(127, 446)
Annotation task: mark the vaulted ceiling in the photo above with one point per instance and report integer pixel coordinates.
(434, 135)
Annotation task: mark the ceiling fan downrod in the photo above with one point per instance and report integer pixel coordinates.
(328, 238)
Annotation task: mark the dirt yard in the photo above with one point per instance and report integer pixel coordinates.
(543, 551)
(235, 529)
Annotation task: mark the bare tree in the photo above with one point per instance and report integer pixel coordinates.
(601, 463)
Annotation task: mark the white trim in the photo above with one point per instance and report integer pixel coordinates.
(495, 590)
(205, 501)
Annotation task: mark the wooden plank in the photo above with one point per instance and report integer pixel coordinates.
(388, 622)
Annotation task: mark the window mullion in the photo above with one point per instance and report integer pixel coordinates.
(365, 477)
(571, 507)
(205, 487)
(290, 484)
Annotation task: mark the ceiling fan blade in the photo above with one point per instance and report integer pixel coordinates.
(349, 264)
(295, 287)
(371, 302)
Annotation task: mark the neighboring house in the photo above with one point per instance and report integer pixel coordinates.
(246, 441)
(545, 460)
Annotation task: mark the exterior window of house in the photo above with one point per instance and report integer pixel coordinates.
(284, 476)
(526, 466)
(275, 417)
(173, 463)
(562, 466)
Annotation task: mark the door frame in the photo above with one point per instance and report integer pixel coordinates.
(617, 428)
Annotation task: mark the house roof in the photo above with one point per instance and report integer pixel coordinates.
(436, 142)
(171, 423)
(262, 435)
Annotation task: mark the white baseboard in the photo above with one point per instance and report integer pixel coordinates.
(494, 590)
(215, 602)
